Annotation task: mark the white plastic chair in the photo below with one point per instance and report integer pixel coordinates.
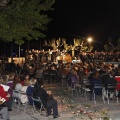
(16, 99)
(18, 103)
(111, 88)
(85, 87)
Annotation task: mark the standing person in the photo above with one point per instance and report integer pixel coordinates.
(53, 74)
(48, 101)
(112, 81)
(46, 74)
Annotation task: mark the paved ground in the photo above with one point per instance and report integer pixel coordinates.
(73, 107)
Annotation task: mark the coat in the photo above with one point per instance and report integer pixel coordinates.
(3, 94)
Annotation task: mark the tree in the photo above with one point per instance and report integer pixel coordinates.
(54, 43)
(112, 46)
(19, 42)
(4, 2)
(24, 20)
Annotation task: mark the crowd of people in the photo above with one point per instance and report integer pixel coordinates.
(30, 79)
(51, 55)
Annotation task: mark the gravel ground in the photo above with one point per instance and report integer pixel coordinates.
(73, 107)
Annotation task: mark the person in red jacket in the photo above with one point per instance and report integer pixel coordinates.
(3, 93)
(117, 78)
(4, 96)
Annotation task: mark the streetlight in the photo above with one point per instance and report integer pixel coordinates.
(89, 40)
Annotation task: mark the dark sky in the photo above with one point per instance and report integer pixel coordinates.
(99, 19)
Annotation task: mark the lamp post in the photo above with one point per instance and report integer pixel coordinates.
(89, 41)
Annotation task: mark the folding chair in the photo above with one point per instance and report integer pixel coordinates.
(16, 99)
(26, 104)
(52, 78)
(77, 88)
(64, 79)
(111, 88)
(85, 87)
(46, 78)
(18, 102)
(73, 88)
(97, 91)
(38, 106)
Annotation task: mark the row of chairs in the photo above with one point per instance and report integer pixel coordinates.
(84, 88)
(26, 107)
(111, 89)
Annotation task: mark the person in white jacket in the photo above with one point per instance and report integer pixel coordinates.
(23, 97)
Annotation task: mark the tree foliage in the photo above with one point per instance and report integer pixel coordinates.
(112, 46)
(82, 45)
(4, 2)
(24, 19)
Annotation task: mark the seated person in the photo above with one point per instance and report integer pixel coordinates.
(4, 97)
(109, 80)
(30, 89)
(10, 91)
(117, 78)
(23, 96)
(8, 102)
(48, 101)
(95, 80)
(17, 86)
(74, 79)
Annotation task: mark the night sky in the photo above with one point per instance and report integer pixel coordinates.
(99, 19)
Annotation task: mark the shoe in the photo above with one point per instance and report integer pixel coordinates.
(23, 103)
(56, 116)
(105, 98)
(9, 109)
(111, 98)
(49, 115)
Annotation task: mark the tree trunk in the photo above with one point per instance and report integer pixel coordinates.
(19, 55)
(11, 51)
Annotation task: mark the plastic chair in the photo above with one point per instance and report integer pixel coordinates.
(85, 87)
(38, 106)
(64, 80)
(78, 88)
(73, 88)
(16, 99)
(97, 91)
(25, 105)
(111, 88)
